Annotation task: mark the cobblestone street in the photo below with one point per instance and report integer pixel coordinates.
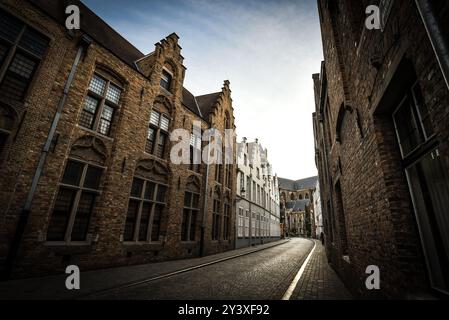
(261, 272)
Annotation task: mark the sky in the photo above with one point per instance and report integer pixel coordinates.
(267, 49)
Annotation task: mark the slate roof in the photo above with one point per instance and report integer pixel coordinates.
(297, 205)
(95, 27)
(188, 99)
(206, 102)
(106, 36)
(307, 183)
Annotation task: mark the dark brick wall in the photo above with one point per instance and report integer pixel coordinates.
(124, 150)
(364, 155)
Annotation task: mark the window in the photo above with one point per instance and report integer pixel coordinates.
(74, 203)
(241, 224)
(146, 207)
(226, 219)
(218, 172)
(242, 182)
(195, 153)
(254, 197)
(166, 80)
(228, 175)
(21, 50)
(227, 121)
(253, 224)
(245, 159)
(216, 217)
(248, 187)
(258, 173)
(157, 134)
(190, 214)
(247, 219)
(100, 104)
(428, 180)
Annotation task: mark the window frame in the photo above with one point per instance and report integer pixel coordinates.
(426, 139)
(102, 101)
(169, 82)
(216, 218)
(191, 209)
(14, 47)
(195, 147)
(141, 201)
(79, 190)
(227, 219)
(157, 134)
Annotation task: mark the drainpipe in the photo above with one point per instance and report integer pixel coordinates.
(84, 43)
(437, 36)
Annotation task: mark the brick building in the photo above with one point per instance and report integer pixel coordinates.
(107, 192)
(382, 145)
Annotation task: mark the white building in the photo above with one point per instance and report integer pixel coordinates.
(257, 205)
(317, 210)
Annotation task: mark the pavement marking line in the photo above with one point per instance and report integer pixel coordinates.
(291, 288)
(136, 283)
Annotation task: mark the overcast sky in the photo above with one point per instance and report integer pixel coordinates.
(268, 50)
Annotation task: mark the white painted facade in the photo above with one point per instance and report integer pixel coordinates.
(317, 210)
(257, 205)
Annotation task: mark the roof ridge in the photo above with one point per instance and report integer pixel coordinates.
(208, 94)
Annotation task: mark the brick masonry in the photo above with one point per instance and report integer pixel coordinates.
(122, 153)
(357, 149)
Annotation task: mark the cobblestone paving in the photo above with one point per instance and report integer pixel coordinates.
(319, 281)
(53, 287)
(263, 275)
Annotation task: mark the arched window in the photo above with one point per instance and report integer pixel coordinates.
(307, 196)
(283, 196)
(300, 196)
(145, 218)
(292, 196)
(78, 190)
(191, 210)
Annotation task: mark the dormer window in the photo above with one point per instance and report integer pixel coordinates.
(166, 80)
